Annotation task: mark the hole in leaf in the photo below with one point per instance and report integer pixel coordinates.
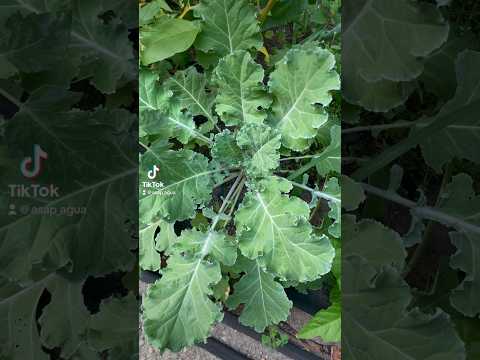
(200, 119)
(96, 289)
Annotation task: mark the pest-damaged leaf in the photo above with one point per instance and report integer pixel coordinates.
(62, 324)
(104, 48)
(301, 84)
(274, 227)
(106, 330)
(19, 338)
(166, 237)
(125, 10)
(151, 95)
(148, 257)
(64, 320)
(172, 125)
(189, 89)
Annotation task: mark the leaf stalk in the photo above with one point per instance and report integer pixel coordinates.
(425, 212)
(428, 238)
(226, 200)
(185, 11)
(262, 16)
(320, 194)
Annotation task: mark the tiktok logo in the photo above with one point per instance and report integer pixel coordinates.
(152, 174)
(154, 187)
(31, 167)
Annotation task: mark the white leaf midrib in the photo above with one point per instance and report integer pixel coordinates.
(75, 34)
(228, 27)
(191, 95)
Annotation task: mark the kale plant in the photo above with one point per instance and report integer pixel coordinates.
(411, 238)
(240, 157)
(67, 84)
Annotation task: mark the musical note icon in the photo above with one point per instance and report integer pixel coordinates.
(152, 174)
(31, 167)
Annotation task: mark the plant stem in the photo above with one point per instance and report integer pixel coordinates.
(225, 202)
(185, 10)
(207, 243)
(312, 163)
(265, 53)
(202, 137)
(424, 212)
(321, 194)
(236, 196)
(283, 171)
(300, 157)
(314, 210)
(303, 157)
(419, 124)
(428, 238)
(379, 127)
(266, 10)
(233, 176)
(144, 146)
(10, 98)
(191, 131)
(436, 124)
(353, 159)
